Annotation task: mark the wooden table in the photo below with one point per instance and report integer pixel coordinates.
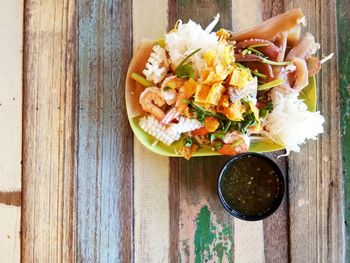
(76, 186)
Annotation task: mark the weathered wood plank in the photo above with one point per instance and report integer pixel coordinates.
(203, 229)
(104, 180)
(343, 12)
(11, 30)
(151, 171)
(10, 235)
(11, 46)
(315, 181)
(49, 133)
(276, 227)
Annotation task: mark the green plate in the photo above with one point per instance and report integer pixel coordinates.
(308, 94)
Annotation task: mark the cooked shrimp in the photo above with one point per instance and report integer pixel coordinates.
(151, 100)
(179, 108)
(169, 94)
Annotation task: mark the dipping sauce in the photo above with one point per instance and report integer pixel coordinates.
(251, 186)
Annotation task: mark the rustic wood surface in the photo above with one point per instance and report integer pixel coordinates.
(92, 193)
(343, 15)
(11, 46)
(104, 150)
(49, 132)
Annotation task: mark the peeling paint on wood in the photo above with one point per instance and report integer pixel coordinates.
(204, 238)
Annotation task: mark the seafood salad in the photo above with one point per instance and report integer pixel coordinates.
(222, 90)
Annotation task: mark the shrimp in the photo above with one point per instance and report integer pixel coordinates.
(180, 107)
(169, 94)
(185, 92)
(233, 138)
(151, 100)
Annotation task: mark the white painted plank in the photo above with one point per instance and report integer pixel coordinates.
(11, 46)
(151, 171)
(10, 227)
(11, 32)
(248, 236)
(249, 241)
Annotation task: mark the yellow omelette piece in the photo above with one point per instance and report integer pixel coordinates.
(215, 93)
(240, 77)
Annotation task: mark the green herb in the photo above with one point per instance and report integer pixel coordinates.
(259, 45)
(275, 63)
(256, 73)
(202, 113)
(246, 51)
(240, 65)
(216, 135)
(257, 52)
(185, 70)
(236, 143)
(242, 126)
(188, 141)
(263, 112)
(227, 126)
(144, 82)
(166, 88)
(271, 84)
(218, 145)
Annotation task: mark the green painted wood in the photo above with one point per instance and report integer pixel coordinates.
(104, 181)
(193, 183)
(343, 15)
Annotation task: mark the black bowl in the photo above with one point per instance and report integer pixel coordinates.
(278, 200)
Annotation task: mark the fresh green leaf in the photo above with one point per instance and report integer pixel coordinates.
(185, 71)
(166, 88)
(227, 126)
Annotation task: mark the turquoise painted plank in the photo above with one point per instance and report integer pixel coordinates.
(104, 183)
(343, 15)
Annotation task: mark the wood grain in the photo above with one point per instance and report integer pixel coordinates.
(151, 171)
(49, 132)
(276, 227)
(315, 181)
(104, 179)
(196, 215)
(343, 15)
(11, 47)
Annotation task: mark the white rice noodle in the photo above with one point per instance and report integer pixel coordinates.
(290, 123)
(189, 37)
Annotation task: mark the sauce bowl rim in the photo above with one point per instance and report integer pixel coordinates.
(276, 204)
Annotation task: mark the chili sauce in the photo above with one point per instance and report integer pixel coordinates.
(250, 185)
